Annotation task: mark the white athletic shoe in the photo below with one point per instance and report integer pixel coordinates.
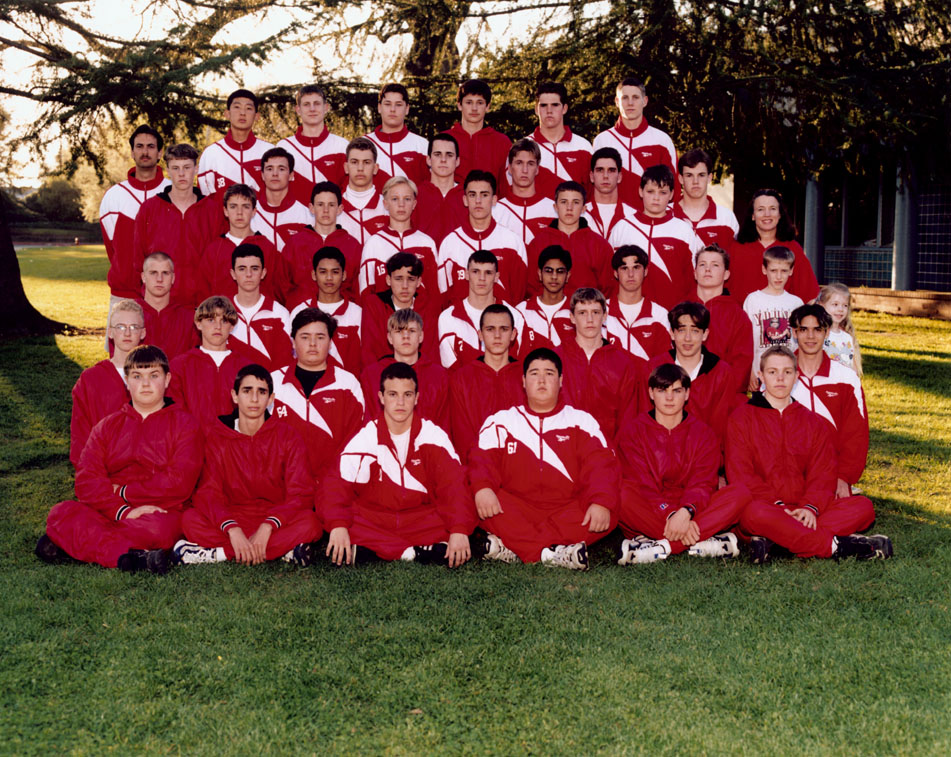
(641, 550)
(721, 545)
(496, 550)
(188, 553)
(409, 554)
(571, 556)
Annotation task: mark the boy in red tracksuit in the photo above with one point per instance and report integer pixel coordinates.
(524, 204)
(783, 453)
(202, 378)
(399, 492)
(669, 497)
(634, 322)
(101, 390)
(168, 325)
(254, 501)
(547, 318)
(440, 208)
(481, 148)
(236, 157)
(137, 470)
(544, 477)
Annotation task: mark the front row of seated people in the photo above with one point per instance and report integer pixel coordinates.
(293, 457)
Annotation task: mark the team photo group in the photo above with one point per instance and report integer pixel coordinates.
(456, 346)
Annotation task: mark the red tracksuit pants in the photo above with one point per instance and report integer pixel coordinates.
(389, 533)
(843, 516)
(526, 528)
(301, 529)
(641, 517)
(88, 535)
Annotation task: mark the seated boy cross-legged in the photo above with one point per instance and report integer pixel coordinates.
(399, 491)
(255, 498)
(544, 477)
(669, 460)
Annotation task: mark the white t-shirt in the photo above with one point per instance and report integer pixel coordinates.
(401, 442)
(769, 314)
(252, 310)
(217, 355)
(630, 312)
(551, 310)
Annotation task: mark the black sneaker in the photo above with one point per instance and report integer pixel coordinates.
(50, 552)
(150, 560)
(875, 547)
(431, 554)
(302, 555)
(760, 547)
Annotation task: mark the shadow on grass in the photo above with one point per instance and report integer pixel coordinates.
(915, 374)
(897, 446)
(905, 351)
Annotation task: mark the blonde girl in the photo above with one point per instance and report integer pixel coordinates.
(841, 344)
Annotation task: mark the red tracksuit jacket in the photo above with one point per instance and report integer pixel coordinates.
(99, 391)
(568, 159)
(476, 391)
(383, 245)
(590, 259)
(437, 215)
(172, 328)
(647, 335)
(640, 149)
(462, 241)
(377, 309)
(746, 271)
(716, 226)
(199, 386)
(299, 263)
(265, 339)
(730, 336)
(486, 150)
(214, 269)
(433, 402)
(400, 153)
(228, 162)
(316, 159)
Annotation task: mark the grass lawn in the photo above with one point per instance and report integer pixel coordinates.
(691, 656)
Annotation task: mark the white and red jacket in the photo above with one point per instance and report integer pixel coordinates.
(835, 393)
(437, 214)
(99, 391)
(214, 268)
(172, 328)
(386, 491)
(117, 213)
(553, 459)
(327, 419)
(568, 159)
(298, 256)
(377, 309)
(316, 159)
(345, 345)
(279, 223)
(476, 391)
(155, 460)
(640, 149)
(459, 338)
(730, 336)
(647, 335)
(383, 245)
(540, 330)
(486, 150)
(228, 162)
(604, 386)
(265, 337)
(202, 387)
(604, 223)
(716, 226)
(362, 219)
(671, 245)
(462, 241)
(433, 402)
(746, 271)
(783, 456)
(590, 259)
(400, 153)
(265, 473)
(525, 216)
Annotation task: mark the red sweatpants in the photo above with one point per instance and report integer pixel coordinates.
(388, 533)
(843, 516)
(641, 517)
(88, 535)
(527, 529)
(303, 528)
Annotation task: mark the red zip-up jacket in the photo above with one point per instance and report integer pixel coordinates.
(316, 159)
(199, 386)
(383, 245)
(377, 309)
(214, 268)
(640, 149)
(172, 328)
(730, 336)
(486, 150)
(228, 162)
(299, 263)
(99, 391)
(590, 259)
(476, 391)
(436, 214)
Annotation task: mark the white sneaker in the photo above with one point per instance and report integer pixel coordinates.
(188, 553)
(571, 556)
(721, 545)
(409, 554)
(496, 550)
(641, 550)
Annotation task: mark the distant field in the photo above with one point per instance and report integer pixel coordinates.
(685, 656)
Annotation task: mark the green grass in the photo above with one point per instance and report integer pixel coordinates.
(691, 656)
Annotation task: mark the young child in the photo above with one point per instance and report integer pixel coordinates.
(840, 345)
(769, 308)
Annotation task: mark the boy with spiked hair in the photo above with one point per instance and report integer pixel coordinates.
(136, 472)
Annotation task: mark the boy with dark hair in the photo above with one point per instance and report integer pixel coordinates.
(833, 391)
(318, 154)
(544, 477)
(260, 333)
(640, 144)
(713, 223)
(322, 400)
(481, 148)
(330, 272)
(547, 320)
(135, 474)
(439, 207)
(524, 204)
(670, 242)
(492, 382)
(564, 155)
(590, 253)
(784, 454)
(236, 158)
(101, 390)
(400, 151)
(669, 497)
(634, 322)
(399, 491)
(168, 325)
(202, 377)
(481, 232)
(254, 481)
(279, 216)
(606, 208)
(363, 211)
